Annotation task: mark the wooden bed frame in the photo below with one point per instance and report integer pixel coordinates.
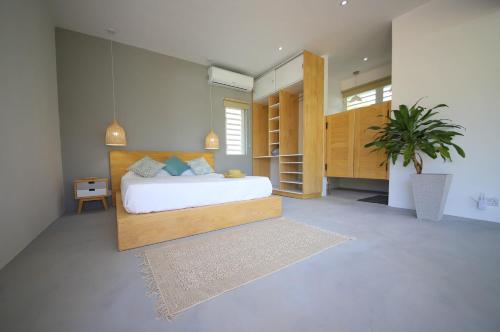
(137, 230)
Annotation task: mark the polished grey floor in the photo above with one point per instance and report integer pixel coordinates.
(399, 274)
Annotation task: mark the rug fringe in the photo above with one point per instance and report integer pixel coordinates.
(152, 290)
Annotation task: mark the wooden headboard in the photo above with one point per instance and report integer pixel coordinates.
(120, 160)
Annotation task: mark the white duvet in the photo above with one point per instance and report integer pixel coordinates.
(164, 192)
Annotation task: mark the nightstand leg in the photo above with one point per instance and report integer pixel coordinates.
(80, 206)
(104, 203)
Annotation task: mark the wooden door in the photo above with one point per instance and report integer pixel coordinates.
(340, 144)
(260, 137)
(366, 160)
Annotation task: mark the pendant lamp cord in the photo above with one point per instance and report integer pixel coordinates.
(113, 79)
(211, 108)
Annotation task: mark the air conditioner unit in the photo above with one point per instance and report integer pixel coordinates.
(222, 77)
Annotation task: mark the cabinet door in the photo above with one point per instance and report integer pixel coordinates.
(290, 73)
(366, 160)
(264, 85)
(340, 144)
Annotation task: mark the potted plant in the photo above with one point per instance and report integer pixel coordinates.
(411, 133)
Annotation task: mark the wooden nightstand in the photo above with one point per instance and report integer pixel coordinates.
(90, 189)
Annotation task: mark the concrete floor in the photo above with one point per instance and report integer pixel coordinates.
(399, 274)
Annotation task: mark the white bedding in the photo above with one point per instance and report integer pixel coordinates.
(164, 192)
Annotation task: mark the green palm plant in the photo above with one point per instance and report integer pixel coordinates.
(412, 131)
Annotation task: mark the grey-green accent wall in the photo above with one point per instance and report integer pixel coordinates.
(30, 151)
(163, 104)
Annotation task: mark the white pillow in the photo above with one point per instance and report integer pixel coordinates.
(163, 173)
(188, 172)
(200, 166)
(146, 167)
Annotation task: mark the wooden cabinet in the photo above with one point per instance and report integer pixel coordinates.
(340, 144)
(346, 136)
(290, 73)
(366, 160)
(90, 189)
(288, 129)
(264, 85)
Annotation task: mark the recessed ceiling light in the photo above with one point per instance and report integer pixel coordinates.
(280, 48)
(365, 59)
(343, 2)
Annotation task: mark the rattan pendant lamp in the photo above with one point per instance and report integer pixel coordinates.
(356, 98)
(211, 140)
(115, 134)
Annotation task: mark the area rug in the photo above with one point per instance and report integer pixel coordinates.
(189, 271)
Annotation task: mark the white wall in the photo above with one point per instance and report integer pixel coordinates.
(449, 51)
(366, 77)
(30, 150)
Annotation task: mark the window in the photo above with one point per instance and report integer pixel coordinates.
(387, 93)
(362, 99)
(235, 131)
(368, 94)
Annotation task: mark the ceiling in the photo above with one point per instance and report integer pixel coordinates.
(243, 35)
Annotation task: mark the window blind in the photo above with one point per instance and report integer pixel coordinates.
(235, 131)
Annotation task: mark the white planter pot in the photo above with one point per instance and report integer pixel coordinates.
(430, 192)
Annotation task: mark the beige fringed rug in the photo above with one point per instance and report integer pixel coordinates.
(186, 272)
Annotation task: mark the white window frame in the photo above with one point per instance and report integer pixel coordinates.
(244, 131)
(379, 95)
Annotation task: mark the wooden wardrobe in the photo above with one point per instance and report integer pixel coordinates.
(346, 136)
(287, 126)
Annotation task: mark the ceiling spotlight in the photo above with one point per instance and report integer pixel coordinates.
(365, 59)
(343, 2)
(280, 48)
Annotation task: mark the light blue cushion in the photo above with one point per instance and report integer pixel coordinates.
(200, 166)
(175, 166)
(146, 167)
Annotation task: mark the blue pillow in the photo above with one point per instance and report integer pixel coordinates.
(175, 166)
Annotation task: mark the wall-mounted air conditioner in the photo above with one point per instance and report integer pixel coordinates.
(222, 77)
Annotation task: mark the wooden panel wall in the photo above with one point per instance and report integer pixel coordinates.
(260, 144)
(313, 123)
(289, 122)
(259, 130)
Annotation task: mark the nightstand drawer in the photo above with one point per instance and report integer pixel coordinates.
(80, 193)
(91, 185)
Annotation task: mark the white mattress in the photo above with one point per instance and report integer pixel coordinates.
(164, 192)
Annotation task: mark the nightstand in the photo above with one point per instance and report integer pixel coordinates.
(90, 189)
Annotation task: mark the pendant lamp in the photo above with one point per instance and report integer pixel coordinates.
(115, 134)
(211, 140)
(356, 98)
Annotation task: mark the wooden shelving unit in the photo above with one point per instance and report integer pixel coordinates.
(291, 120)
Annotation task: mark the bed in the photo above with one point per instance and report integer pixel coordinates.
(167, 207)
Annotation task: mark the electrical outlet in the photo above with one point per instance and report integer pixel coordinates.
(492, 201)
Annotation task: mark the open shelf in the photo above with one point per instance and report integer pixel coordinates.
(274, 106)
(262, 157)
(291, 182)
(290, 162)
(292, 191)
(274, 131)
(292, 155)
(291, 172)
(274, 118)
